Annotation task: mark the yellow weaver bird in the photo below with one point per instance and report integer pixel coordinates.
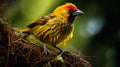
(56, 27)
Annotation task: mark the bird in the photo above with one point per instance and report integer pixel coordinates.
(56, 27)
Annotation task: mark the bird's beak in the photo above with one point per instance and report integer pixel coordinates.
(78, 12)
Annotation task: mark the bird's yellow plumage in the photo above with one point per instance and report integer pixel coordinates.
(57, 27)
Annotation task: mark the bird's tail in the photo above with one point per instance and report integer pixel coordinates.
(26, 31)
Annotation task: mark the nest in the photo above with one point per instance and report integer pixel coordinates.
(16, 50)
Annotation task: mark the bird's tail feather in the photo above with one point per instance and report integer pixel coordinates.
(26, 30)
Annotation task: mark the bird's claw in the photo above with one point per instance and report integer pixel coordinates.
(45, 49)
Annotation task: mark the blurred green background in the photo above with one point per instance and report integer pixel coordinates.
(96, 34)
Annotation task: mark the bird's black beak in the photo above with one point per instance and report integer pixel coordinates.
(78, 12)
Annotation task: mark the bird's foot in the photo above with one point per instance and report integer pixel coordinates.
(61, 51)
(46, 50)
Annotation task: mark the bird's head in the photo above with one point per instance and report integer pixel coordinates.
(67, 11)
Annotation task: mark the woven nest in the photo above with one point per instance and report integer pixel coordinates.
(16, 50)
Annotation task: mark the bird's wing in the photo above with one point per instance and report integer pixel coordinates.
(41, 21)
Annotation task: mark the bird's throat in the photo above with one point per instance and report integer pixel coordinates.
(71, 19)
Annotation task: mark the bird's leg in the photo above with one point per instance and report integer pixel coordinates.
(58, 49)
(46, 50)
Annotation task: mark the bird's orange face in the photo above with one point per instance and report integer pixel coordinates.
(67, 10)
